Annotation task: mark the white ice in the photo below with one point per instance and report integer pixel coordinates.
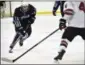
(45, 52)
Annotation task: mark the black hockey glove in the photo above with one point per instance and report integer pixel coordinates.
(21, 30)
(62, 24)
(54, 13)
(31, 20)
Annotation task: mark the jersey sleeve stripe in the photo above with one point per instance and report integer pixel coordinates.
(69, 12)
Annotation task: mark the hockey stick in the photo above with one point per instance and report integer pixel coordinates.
(32, 47)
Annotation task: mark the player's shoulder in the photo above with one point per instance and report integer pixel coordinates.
(31, 6)
(18, 8)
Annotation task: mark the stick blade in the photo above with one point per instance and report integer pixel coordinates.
(6, 60)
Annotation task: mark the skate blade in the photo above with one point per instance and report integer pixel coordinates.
(6, 60)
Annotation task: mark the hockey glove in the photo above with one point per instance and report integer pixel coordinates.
(21, 31)
(62, 24)
(31, 20)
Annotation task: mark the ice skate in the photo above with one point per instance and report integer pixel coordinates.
(21, 43)
(10, 51)
(60, 55)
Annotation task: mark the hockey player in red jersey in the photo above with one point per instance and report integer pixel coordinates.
(76, 25)
(24, 17)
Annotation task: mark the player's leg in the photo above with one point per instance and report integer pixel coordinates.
(67, 37)
(61, 8)
(55, 8)
(23, 38)
(16, 39)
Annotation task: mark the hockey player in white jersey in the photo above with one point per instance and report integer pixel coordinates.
(74, 15)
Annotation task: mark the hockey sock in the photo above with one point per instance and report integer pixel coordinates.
(63, 45)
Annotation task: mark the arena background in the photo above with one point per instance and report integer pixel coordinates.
(43, 8)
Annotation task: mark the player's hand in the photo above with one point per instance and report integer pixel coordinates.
(54, 13)
(29, 22)
(62, 24)
(20, 30)
(23, 32)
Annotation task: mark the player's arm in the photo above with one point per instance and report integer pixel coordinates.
(16, 18)
(55, 7)
(17, 23)
(68, 14)
(32, 17)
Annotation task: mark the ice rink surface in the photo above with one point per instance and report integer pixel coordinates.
(47, 50)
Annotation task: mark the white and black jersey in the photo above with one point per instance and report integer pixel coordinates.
(75, 17)
(74, 14)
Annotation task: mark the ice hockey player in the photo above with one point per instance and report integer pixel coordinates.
(76, 25)
(56, 6)
(24, 17)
